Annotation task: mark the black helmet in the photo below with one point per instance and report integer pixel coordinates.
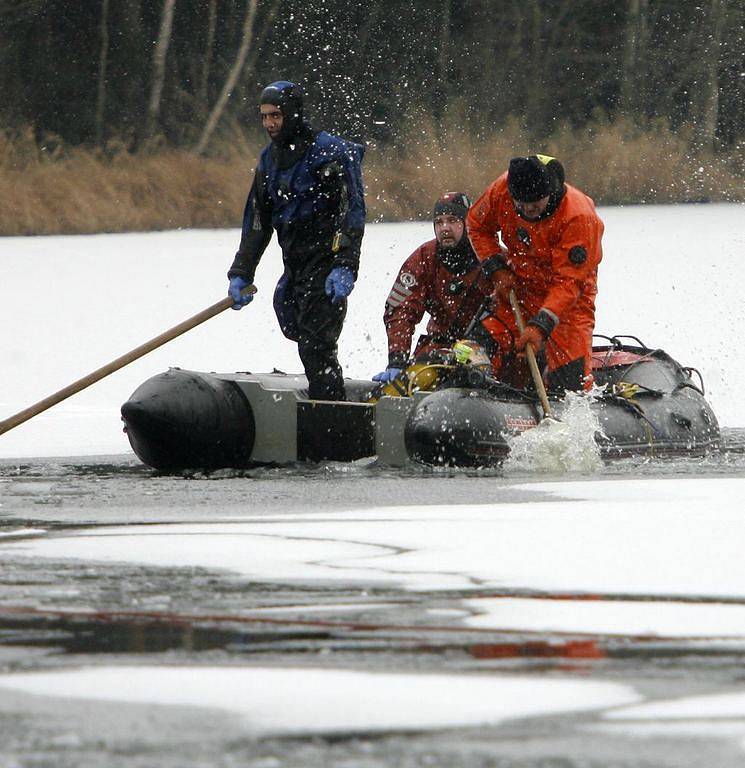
(285, 95)
(528, 179)
(533, 177)
(288, 97)
(453, 203)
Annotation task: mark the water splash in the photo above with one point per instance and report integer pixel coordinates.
(559, 447)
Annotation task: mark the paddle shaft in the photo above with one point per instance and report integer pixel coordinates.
(530, 353)
(120, 362)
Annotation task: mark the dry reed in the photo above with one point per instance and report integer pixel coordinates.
(49, 188)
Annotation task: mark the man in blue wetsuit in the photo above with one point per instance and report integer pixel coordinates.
(308, 187)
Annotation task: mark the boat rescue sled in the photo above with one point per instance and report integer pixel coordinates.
(646, 404)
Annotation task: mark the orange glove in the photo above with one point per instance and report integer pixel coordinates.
(533, 336)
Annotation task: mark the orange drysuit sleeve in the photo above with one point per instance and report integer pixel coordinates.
(574, 261)
(482, 222)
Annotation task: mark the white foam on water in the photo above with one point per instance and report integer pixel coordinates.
(559, 447)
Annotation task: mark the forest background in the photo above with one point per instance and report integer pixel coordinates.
(121, 115)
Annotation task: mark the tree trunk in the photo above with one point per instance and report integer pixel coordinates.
(232, 79)
(259, 40)
(103, 61)
(633, 75)
(532, 74)
(127, 66)
(706, 107)
(203, 90)
(441, 90)
(159, 67)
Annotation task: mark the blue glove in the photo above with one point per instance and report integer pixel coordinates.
(339, 284)
(237, 284)
(387, 376)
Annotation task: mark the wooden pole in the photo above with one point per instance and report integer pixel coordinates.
(530, 352)
(120, 362)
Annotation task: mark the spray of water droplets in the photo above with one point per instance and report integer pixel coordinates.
(559, 447)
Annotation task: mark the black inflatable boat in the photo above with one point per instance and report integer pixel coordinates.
(646, 404)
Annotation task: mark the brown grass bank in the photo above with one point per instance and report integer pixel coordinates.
(52, 189)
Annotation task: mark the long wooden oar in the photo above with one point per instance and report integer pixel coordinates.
(120, 362)
(530, 353)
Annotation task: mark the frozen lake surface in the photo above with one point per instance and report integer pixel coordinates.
(344, 615)
(670, 275)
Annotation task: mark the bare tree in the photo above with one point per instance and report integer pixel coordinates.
(232, 79)
(159, 67)
(541, 36)
(440, 91)
(705, 109)
(633, 73)
(203, 88)
(126, 99)
(260, 37)
(102, 67)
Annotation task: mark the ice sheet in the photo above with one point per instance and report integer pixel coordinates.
(715, 707)
(654, 618)
(653, 537)
(302, 700)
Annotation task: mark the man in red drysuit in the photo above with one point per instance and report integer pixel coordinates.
(553, 238)
(442, 277)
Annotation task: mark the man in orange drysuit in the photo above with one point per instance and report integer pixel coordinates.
(553, 238)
